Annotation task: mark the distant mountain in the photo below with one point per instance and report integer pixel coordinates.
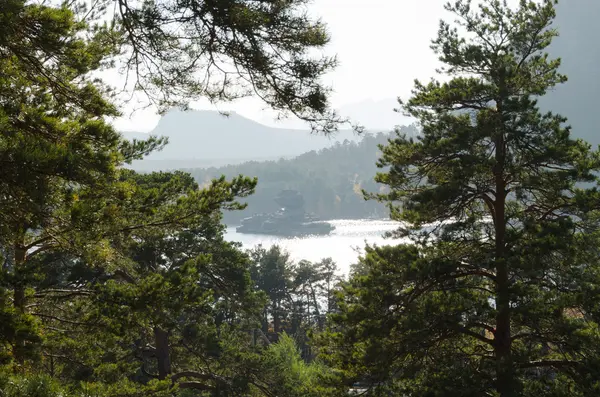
(207, 138)
(202, 138)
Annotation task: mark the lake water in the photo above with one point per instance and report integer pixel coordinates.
(343, 245)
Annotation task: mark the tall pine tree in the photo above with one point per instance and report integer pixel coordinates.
(161, 305)
(496, 294)
(54, 142)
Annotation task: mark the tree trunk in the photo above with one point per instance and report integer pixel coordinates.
(502, 347)
(19, 300)
(502, 340)
(265, 322)
(328, 295)
(163, 355)
(276, 319)
(320, 322)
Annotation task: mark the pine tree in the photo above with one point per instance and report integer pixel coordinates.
(174, 52)
(162, 301)
(54, 144)
(496, 293)
(271, 272)
(61, 160)
(110, 278)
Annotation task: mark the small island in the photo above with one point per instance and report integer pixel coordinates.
(290, 221)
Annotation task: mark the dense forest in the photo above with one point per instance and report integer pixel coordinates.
(115, 283)
(331, 180)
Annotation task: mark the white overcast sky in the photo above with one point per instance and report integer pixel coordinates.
(382, 46)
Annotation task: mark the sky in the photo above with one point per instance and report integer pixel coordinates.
(382, 46)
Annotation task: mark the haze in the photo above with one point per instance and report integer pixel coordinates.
(392, 37)
(389, 36)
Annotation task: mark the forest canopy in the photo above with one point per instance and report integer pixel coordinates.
(115, 283)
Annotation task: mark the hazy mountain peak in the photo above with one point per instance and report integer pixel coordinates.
(205, 137)
(176, 121)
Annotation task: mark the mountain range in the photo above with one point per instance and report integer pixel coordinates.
(203, 138)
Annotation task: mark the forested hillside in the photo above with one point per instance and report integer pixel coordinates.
(331, 180)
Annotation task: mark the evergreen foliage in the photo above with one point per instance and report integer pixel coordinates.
(177, 51)
(496, 293)
(115, 283)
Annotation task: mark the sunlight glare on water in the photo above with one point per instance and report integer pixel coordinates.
(343, 245)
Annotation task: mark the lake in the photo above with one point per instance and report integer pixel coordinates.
(343, 245)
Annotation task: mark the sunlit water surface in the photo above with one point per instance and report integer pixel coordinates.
(343, 245)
